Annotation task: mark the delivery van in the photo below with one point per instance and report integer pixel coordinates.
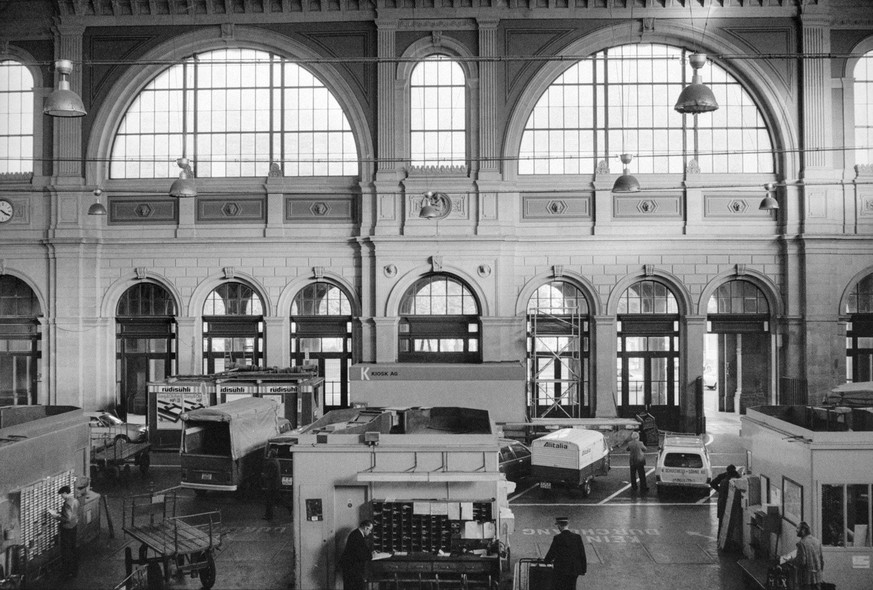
(683, 463)
(570, 457)
(223, 445)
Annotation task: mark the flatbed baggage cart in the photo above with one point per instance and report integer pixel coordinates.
(170, 544)
(532, 574)
(115, 458)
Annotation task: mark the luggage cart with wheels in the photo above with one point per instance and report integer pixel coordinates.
(170, 544)
(531, 574)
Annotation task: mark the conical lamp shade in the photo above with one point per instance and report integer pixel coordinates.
(428, 212)
(63, 102)
(768, 203)
(183, 187)
(696, 98)
(626, 183)
(97, 209)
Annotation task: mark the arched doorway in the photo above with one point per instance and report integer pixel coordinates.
(648, 353)
(558, 352)
(737, 352)
(439, 322)
(859, 331)
(145, 344)
(321, 332)
(233, 328)
(20, 341)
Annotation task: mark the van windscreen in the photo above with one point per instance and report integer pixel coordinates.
(687, 460)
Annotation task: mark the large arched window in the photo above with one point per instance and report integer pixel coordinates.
(737, 351)
(16, 118)
(439, 322)
(233, 112)
(19, 342)
(145, 343)
(859, 331)
(438, 113)
(233, 328)
(321, 332)
(558, 351)
(621, 100)
(863, 92)
(648, 352)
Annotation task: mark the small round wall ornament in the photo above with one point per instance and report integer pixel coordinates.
(484, 270)
(390, 270)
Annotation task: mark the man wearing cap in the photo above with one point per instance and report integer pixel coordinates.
(567, 553)
(69, 521)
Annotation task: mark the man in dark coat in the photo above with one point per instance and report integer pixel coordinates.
(357, 553)
(567, 553)
(721, 483)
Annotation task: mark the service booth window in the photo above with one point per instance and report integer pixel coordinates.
(558, 352)
(648, 352)
(19, 342)
(321, 333)
(145, 343)
(859, 332)
(233, 328)
(439, 322)
(846, 515)
(737, 351)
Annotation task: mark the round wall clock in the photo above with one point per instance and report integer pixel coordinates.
(6, 210)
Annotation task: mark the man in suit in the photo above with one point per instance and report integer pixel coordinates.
(356, 555)
(567, 553)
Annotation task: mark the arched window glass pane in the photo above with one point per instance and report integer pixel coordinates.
(321, 299)
(558, 298)
(738, 297)
(233, 299)
(863, 91)
(146, 299)
(647, 297)
(232, 112)
(438, 295)
(621, 100)
(438, 113)
(860, 299)
(16, 118)
(17, 299)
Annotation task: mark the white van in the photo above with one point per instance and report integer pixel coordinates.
(683, 463)
(571, 457)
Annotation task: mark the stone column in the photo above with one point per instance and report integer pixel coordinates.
(605, 333)
(386, 339)
(695, 332)
(387, 202)
(277, 347)
(189, 348)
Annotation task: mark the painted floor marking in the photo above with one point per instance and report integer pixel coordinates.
(624, 489)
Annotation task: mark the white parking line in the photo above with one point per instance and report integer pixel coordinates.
(624, 489)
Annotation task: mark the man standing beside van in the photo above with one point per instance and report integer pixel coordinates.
(568, 555)
(637, 457)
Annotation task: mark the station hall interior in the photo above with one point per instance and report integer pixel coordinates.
(566, 211)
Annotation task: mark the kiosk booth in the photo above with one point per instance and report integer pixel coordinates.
(428, 478)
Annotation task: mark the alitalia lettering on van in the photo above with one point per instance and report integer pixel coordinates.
(554, 445)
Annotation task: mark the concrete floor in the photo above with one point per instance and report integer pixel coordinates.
(632, 542)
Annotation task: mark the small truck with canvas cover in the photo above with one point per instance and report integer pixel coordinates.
(223, 445)
(571, 457)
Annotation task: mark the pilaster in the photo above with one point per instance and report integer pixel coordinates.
(189, 352)
(386, 339)
(605, 331)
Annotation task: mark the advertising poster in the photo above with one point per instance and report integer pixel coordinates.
(174, 400)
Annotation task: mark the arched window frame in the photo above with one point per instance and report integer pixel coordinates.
(416, 330)
(857, 307)
(182, 94)
(610, 140)
(238, 328)
(852, 98)
(37, 97)
(452, 49)
(20, 341)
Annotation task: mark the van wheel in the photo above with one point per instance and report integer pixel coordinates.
(586, 488)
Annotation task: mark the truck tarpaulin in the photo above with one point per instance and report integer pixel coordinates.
(248, 419)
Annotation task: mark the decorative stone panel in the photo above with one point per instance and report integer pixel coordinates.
(725, 206)
(317, 208)
(131, 210)
(546, 207)
(636, 206)
(224, 210)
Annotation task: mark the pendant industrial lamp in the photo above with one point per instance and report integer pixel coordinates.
(769, 202)
(97, 207)
(626, 183)
(63, 102)
(696, 98)
(435, 206)
(184, 187)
